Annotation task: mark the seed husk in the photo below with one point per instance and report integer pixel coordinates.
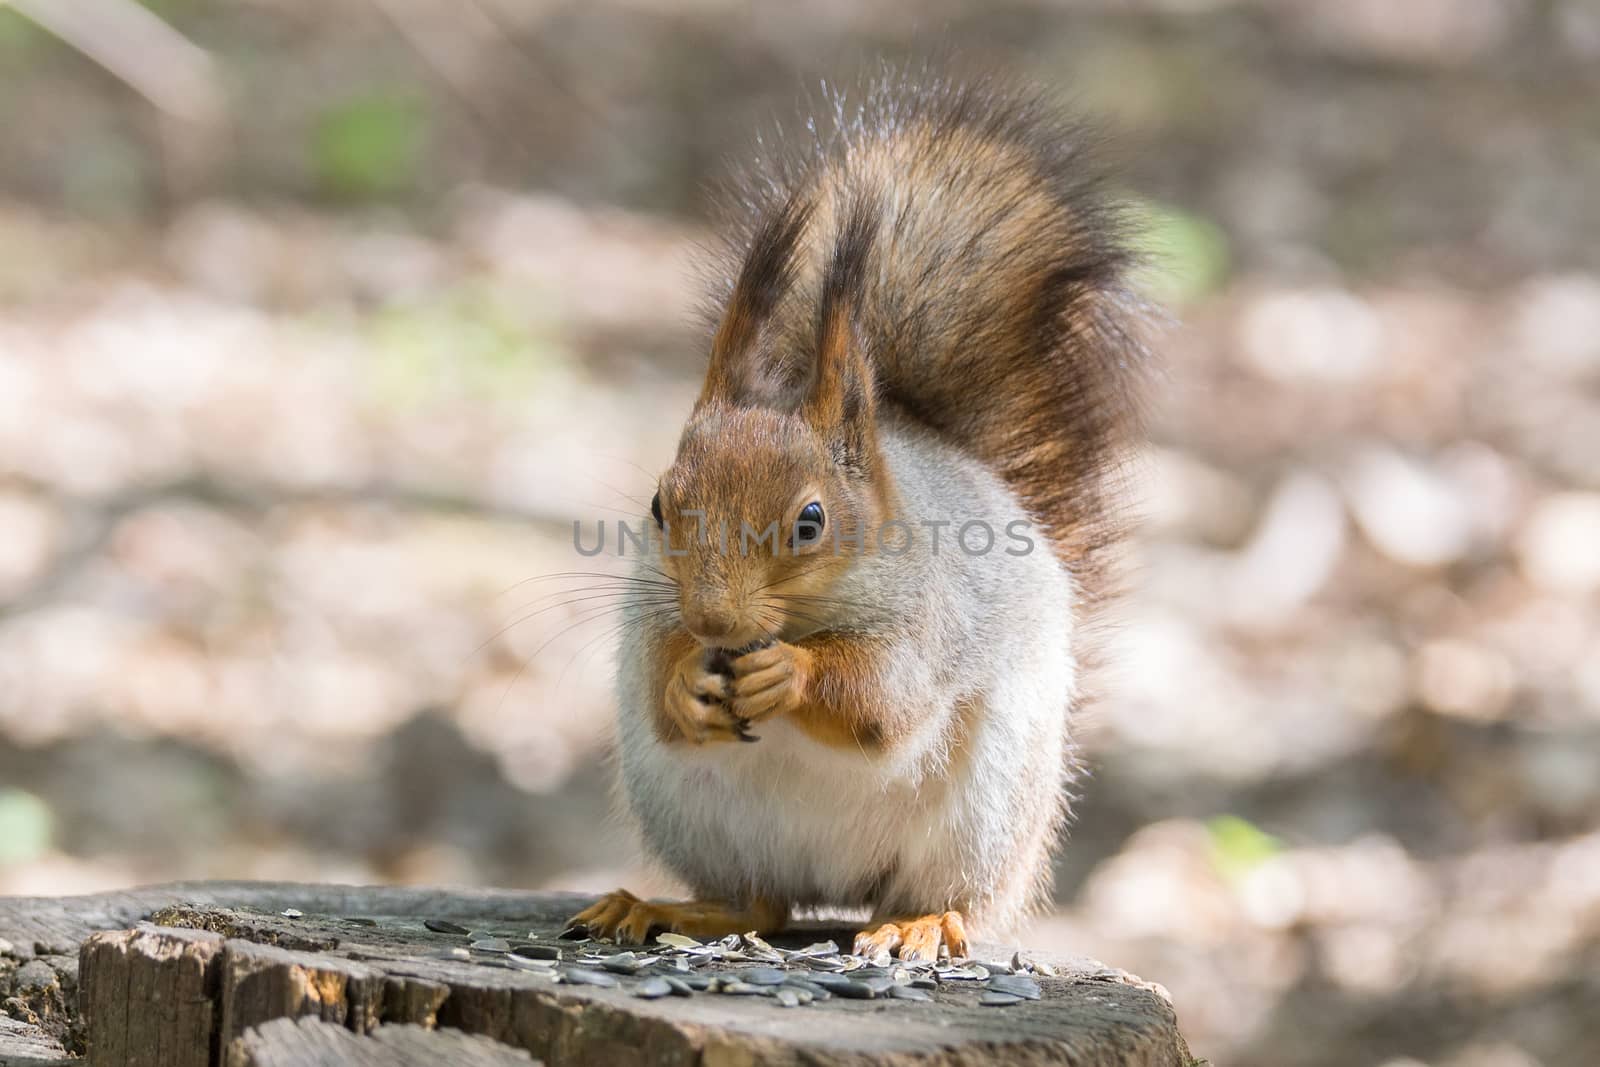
(1018, 985)
(536, 952)
(831, 964)
(445, 926)
(819, 948)
(492, 944)
(545, 967)
(759, 949)
(788, 998)
(998, 1000)
(679, 987)
(677, 941)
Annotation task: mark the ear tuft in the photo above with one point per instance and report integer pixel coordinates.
(767, 272)
(840, 400)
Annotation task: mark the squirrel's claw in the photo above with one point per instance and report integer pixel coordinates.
(629, 920)
(695, 701)
(768, 681)
(917, 938)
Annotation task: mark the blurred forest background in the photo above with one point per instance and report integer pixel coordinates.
(321, 321)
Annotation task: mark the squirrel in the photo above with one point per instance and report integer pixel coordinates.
(928, 344)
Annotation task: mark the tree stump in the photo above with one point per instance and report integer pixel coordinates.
(271, 975)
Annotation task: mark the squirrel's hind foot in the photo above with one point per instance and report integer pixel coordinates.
(631, 921)
(917, 938)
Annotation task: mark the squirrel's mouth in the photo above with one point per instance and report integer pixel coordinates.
(734, 644)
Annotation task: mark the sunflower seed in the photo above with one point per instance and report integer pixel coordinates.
(355, 920)
(852, 990)
(1018, 985)
(653, 989)
(445, 926)
(810, 989)
(679, 987)
(998, 1000)
(574, 932)
(905, 992)
(536, 952)
(1019, 965)
(828, 980)
(582, 976)
(741, 989)
(492, 944)
(924, 983)
(621, 963)
(788, 998)
(700, 982)
(764, 976)
(292, 913)
(451, 954)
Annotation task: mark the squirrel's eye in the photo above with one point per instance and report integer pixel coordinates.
(808, 527)
(655, 507)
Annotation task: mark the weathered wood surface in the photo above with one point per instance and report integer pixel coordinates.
(194, 974)
(309, 1042)
(26, 1045)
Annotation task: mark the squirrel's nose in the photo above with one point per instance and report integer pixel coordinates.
(709, 622)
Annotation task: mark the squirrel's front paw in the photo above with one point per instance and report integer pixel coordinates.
(771, 680)
(696, 701)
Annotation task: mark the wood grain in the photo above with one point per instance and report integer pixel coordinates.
(246, 974)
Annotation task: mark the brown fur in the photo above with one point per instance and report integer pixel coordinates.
(844, 703)
(992, 301)
(947, 251)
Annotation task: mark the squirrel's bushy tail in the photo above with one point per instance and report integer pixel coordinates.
(994, 307)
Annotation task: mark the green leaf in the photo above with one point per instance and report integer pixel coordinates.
(1189, 255)
(370, 146)
(1237, 845)
(26, 826)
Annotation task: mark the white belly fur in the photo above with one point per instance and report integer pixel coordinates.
(919, 828)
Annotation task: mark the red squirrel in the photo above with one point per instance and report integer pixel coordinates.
(928, 340)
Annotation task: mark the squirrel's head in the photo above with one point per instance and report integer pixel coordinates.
(778, 481)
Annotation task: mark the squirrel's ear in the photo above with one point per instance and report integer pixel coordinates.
(839, 402)
(736, 370)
